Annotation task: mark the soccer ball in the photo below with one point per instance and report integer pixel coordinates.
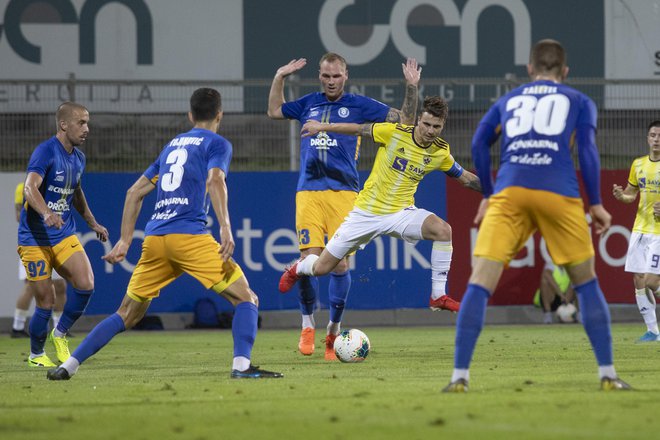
(567, 313)
(352, 346)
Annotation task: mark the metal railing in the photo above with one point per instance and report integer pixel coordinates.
(132, 120)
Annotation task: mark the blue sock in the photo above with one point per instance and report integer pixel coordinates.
(469, 324)
(39, 329)
(99, 337)
(596, 320)
(338, 288)
(308, 286)
(244, 328)
(73, 309)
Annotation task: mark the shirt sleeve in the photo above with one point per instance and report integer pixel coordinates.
(632, 176)
(40, 160)
(589, 162)
(295, 109)
(153, 171)
(18, 194)
(372, 110)
(382, 132)
(219, 154)
(487, 133)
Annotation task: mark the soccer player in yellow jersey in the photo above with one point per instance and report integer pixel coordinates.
(643, 258)
(386, 204)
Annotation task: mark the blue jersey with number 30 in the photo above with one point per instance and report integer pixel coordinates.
(180, 173)
(537, 122)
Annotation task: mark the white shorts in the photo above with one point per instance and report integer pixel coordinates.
(360, 227)
(22, 275)
(643, 253)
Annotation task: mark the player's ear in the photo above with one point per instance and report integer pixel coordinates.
(564, 73)
(218, 117)
(190, 118)
(530, 70)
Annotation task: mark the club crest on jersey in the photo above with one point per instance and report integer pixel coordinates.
(400, 163)
(427, 160)
(343, 112)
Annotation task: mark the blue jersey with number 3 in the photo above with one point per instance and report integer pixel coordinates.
(537, 122)
(180, 173)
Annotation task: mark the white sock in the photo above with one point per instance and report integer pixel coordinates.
(58, 334)
(33, 355)
(460, 373)
(647, 310)
(440, 262)
(308, 321)
(333, 328)
(241, 363)
(607, 371)
(55, 316)
(305, 266)
(20, 316)
(71, 365)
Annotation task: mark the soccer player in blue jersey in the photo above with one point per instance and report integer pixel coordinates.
(643, 257)
(47, 232)
(189, 173)
(328, 182)
(536, 188)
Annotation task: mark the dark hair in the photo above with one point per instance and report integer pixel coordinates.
(65, 110)
(655, 123)
(548, 56)
(205, 104)
(436, 106)
(331, 57)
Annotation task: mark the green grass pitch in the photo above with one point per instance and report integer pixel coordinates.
(528, 382)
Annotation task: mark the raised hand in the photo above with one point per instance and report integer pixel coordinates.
(291, 67)
(411, 71)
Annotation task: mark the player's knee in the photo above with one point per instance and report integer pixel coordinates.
(341, 267)
(439, 230)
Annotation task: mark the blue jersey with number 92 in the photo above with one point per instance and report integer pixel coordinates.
(180, 174)
(537, 122)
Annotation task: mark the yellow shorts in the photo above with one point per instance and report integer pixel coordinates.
(165, 257)
(39, 261)
(515, 213)
(319, 214)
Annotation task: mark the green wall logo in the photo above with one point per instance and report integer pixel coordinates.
(19, 12)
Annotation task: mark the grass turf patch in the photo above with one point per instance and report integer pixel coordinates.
(526, 382)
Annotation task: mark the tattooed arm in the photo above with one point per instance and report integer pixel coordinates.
(312, 127)
(412, 72)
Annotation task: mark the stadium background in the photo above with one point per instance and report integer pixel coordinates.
(135, 63)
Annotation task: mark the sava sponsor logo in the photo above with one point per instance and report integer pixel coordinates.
(172, 201)
(58, 190)
(59, 206)
(533, 143)
(186, 140)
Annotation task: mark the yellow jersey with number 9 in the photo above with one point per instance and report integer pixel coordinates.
(645, 175)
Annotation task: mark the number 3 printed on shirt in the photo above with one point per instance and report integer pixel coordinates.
(172, 179)
(546, 115)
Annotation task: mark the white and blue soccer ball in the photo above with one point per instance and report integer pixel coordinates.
(352, 346)
(567, 313)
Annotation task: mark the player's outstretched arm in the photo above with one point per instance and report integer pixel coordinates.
(80, 203)
(276, 94)
(217, 187)
(311, 127)
(412, 73)
(36, 201)
(132, 206)
(470, 180)
(627, 195)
